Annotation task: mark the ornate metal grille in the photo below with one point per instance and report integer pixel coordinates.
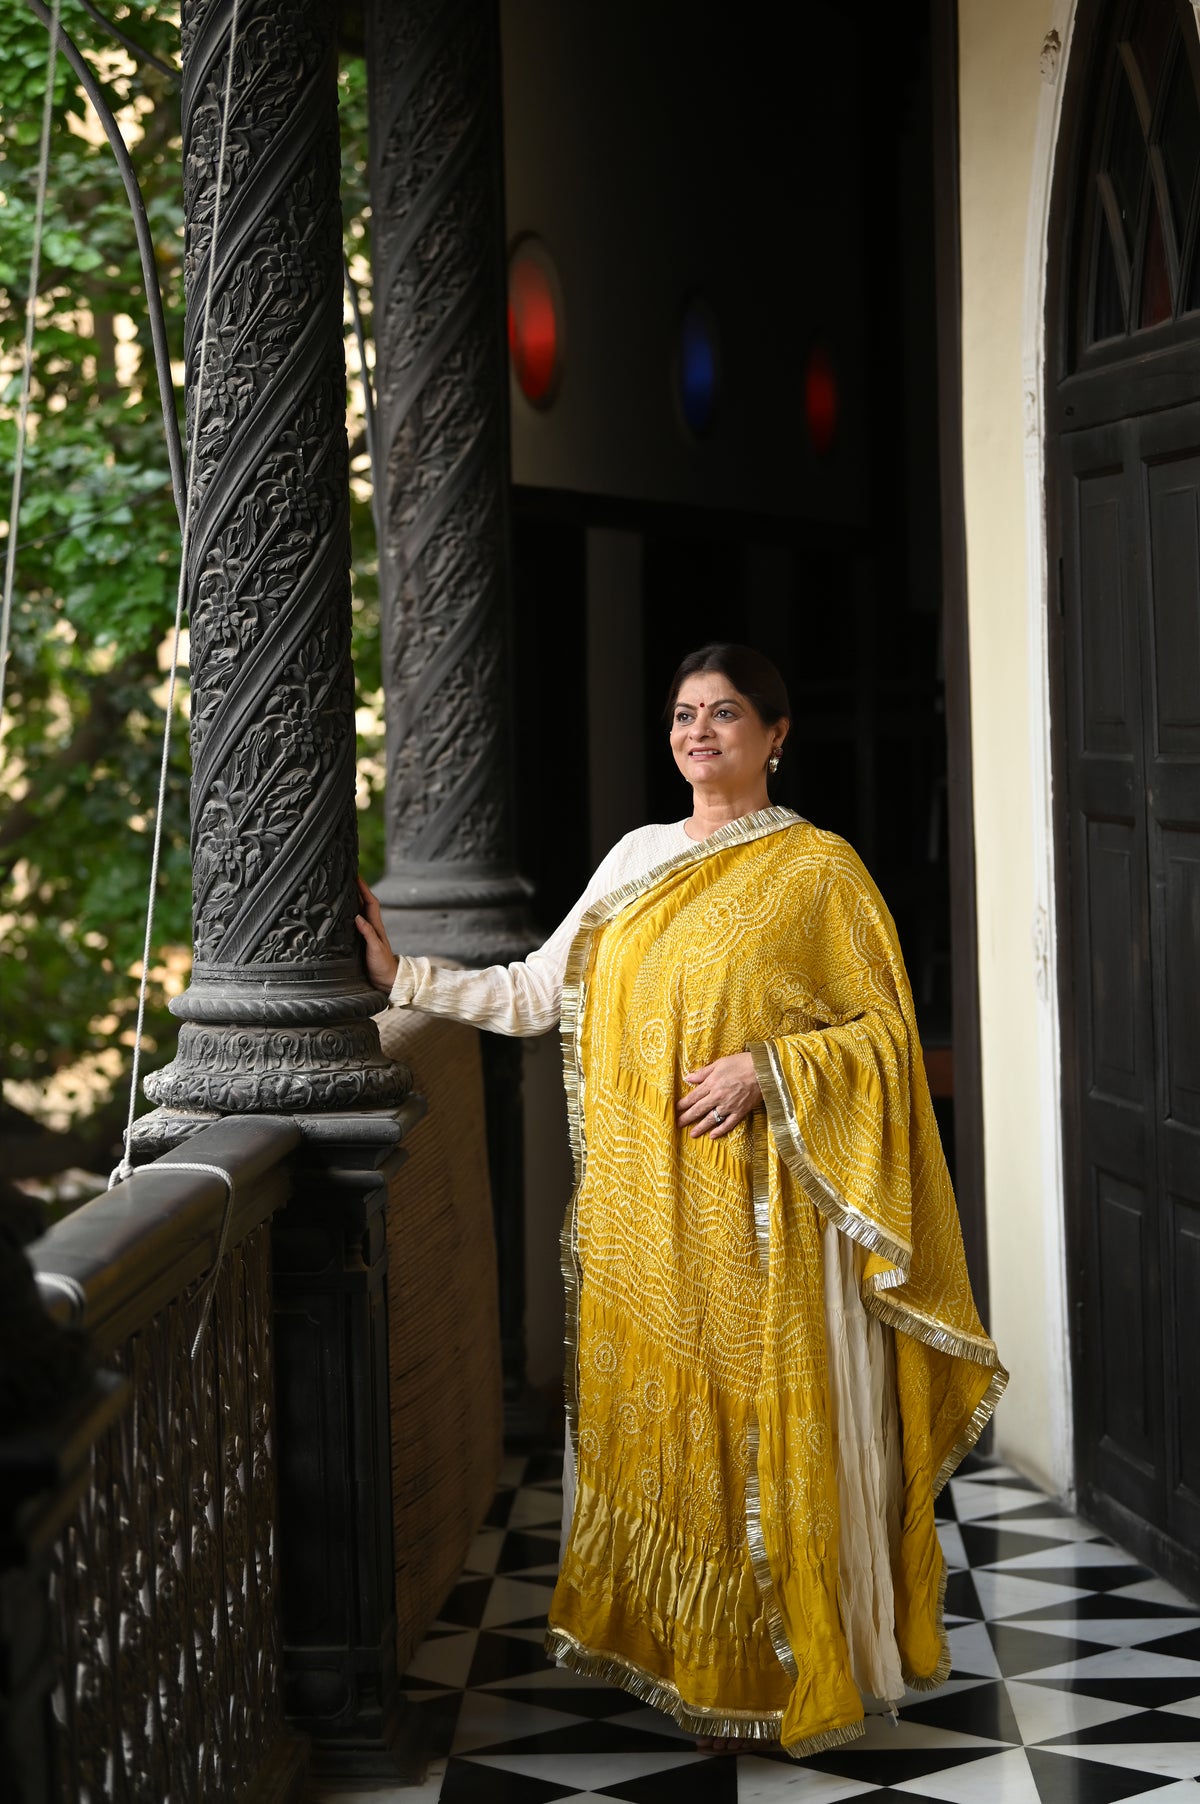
(164, 1584)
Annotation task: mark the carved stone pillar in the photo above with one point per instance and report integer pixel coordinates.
(441, 409)
(276, 1017)
(441, 380)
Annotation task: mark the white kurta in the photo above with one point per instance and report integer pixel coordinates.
(526, 998)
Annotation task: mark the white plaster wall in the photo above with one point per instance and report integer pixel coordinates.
(1009, 83)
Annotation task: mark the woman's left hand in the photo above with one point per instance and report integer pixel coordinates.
(727, 1088)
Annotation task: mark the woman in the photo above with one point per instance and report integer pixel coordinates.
(776, 1358)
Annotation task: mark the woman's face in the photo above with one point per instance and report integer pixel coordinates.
(717, 737)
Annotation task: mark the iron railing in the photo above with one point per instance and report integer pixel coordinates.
(161, 1606)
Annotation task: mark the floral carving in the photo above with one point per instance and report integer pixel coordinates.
(272, 709)
(441, 382)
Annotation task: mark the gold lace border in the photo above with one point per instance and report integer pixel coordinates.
(574, 996)
(960, 1343)
(721, 1725)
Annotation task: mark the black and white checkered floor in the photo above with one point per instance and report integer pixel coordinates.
(1076, 1679)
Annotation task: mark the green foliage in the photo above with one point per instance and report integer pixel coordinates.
(98, 560)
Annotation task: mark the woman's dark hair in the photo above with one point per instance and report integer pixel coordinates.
(751, 674)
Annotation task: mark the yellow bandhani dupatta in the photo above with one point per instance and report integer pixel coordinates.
(701, 1567)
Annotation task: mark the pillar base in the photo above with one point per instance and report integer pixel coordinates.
(278, 1070)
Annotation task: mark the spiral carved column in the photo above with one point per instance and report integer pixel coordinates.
(441, 380)
(277, 1013)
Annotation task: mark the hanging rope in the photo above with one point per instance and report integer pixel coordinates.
(35, 268)
(145, 243)
(124, 1169)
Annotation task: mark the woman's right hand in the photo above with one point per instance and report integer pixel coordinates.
(382, 963)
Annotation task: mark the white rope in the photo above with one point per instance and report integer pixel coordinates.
(125, 1167)
(35, 264)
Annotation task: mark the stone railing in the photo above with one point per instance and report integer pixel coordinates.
(151, 1569)
(328, 1336)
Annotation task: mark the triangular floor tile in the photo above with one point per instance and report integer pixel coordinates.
(1021, 1651)
(516, 1600)
(466, 1783)
(536, 1509)
(1185, 1646)
(1161, 1751)
(444, 1661)
(606, 1772)
(714, 1780)
(972, 1653)
(1103, 1606)
(990, 1546)
(467, 1602)
(1143, 1693)
(883, 1766)
(592, 1737)
(548, 1677)
(962, 1599)
(764, 1781)
(501, 1656)
(979, 1710)
(579, 1697)
(1085, 1782)
(974, 1502)
(1068, 1554)
(1157, 1591)
(489, 1718)
(523, 1549)
(1044, 1712)
(498, 1513)
(1020, 1594)
(1143, 1768)
(1122, 1663)
(484, 1551)
(952, 1545)
(1156, 1634)
(1001, 1779)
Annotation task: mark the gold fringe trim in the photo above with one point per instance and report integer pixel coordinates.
(980, 1350)
(759, 1560)
(830, 1738)
(781, 1116)
(721, 1725)
(981, 1415)
(574, 998)
(941, 1671)
(762, 1195)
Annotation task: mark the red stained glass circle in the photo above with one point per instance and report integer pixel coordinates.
(821, 401)
(534, 323)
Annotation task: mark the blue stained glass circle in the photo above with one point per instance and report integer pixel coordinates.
(699, 368)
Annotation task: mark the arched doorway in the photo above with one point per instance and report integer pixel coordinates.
(1123, 516)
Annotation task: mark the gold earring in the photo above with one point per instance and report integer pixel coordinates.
(773, 763)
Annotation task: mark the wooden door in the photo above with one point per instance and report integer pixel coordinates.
(1124, 518)
(1130, 498)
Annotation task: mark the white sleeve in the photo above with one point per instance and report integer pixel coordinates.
(521, 998)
